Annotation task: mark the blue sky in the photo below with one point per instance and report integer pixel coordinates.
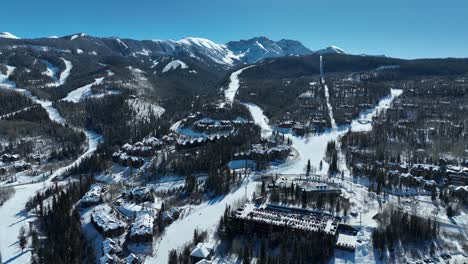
(407, 29)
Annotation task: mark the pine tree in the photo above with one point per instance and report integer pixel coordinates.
(304, 199)
(22, 239)
(308, 167)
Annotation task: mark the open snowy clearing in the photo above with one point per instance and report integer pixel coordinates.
(78, 94)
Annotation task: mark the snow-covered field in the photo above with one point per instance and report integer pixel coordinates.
(78, 94)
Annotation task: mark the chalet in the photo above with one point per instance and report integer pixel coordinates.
(142, 228)
(153, 142)
(138, 149)
(200, 252)
(139, 194)
(106, 222)
(7, 158)
(93, 196)
(127, 160)
(21, 166)
(198, 142)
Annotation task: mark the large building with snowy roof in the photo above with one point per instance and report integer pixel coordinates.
(267, 218)
(142, 228)
(106, 221)
(93, 196)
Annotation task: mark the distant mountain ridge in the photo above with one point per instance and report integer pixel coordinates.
(224, 55)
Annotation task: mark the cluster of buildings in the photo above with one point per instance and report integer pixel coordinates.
(13, 161)
(112, 254)
(189, 143)
(264, 152)
(133, 155)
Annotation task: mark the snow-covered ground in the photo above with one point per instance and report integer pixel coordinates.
(13, 217)
(64, 75)
(260, 119)
(76, 95)
(329, 106)
(52, 71)
(173, 65)
(231, 91)
(4, 81)
(204, 217)
(362, 123)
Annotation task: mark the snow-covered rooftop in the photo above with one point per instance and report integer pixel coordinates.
(143, 225)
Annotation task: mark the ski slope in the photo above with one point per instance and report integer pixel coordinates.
(78, 94)
(234, 84)
(329, 106)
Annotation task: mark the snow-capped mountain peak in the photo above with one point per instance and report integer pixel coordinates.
(258, 48)
(8, 35)
(331, 50)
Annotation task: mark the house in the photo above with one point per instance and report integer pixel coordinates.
(93, 196)
(21, 166)
(201, 251)
(140, 194)
(7, 158)
(142, 228)
(106, 222)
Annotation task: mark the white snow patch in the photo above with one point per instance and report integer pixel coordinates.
(8, 35)
(78, 94)
(173, 65)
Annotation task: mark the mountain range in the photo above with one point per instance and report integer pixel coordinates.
(225, 55)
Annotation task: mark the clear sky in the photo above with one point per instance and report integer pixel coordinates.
(398, 28)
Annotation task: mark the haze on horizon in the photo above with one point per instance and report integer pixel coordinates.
(415, 29)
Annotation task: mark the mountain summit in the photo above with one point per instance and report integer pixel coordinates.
(258, 48)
